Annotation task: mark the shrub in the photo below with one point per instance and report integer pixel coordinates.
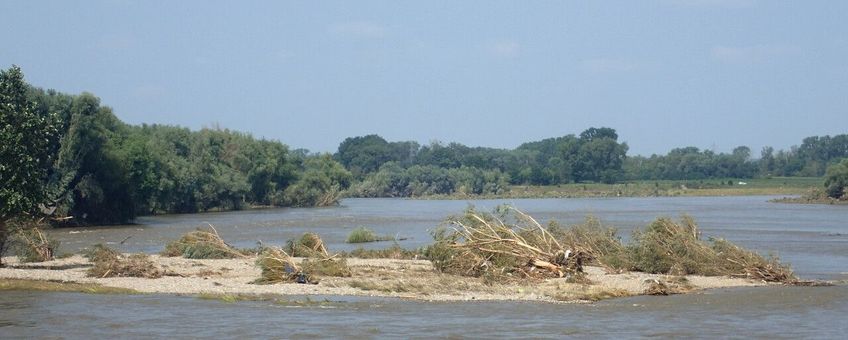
(364, 235)
(836, 179)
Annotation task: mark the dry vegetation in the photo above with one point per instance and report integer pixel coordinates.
(394, 252)
(30, 243)
(501, 255)
(202, 244)
(279, 266)
(108, 262)
(513, 245)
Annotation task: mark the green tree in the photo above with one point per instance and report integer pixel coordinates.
(836, 179)
(320, 183)
(25, 157)
(364, 155)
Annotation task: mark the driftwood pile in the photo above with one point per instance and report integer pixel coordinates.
(202, 244)
(511, 245)
(279, 265)
(109, 262)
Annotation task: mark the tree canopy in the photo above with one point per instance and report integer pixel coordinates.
(73, 154)
(26, 137)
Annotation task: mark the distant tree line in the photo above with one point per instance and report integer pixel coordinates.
(70, 156)
(391, 169)
(406, 168)
(96, 169)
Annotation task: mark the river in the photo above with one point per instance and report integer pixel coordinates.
(813, 238)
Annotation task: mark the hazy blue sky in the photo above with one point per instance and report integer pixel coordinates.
(706, 73)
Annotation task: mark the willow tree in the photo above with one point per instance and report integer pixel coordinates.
(25, 157)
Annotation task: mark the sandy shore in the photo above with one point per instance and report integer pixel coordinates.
(411, 279)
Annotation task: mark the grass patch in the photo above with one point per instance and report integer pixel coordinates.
(202, 244)
(394, 252)
(365, 235)
(53, 286)
(644, 188)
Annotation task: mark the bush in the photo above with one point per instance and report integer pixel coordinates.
(836, 179)
(364, 235)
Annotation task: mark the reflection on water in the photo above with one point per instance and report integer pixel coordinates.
(813, 238)
(783, 312)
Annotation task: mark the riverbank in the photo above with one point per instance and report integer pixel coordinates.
(775, 186)
(406, 279)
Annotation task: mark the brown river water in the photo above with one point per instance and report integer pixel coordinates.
(812, 238)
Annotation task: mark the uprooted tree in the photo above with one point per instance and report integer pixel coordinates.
(505, 244)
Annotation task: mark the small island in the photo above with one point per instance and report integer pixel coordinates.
(502, 255)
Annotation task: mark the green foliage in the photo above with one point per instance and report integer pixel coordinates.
(836, 179)
(365, 154)
(26, 140)
(395, 181)
(365, 235)
(320, 183)
(72, 152)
